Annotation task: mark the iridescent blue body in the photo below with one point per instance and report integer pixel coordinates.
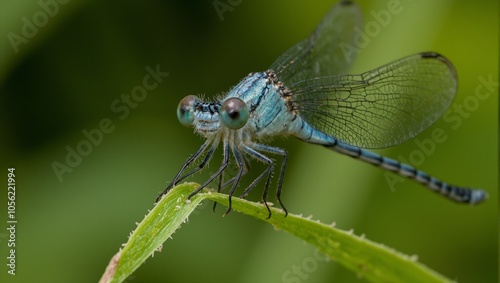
(271, 111)
(305, 94)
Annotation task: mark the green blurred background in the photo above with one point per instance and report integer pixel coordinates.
(64, 79)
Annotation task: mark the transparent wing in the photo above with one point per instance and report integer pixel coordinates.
(326, 51)
(382, 107)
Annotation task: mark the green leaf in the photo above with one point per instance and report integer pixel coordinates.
(370, 260)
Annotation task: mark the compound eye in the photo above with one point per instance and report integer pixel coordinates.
(234, 113)
(185, 110)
